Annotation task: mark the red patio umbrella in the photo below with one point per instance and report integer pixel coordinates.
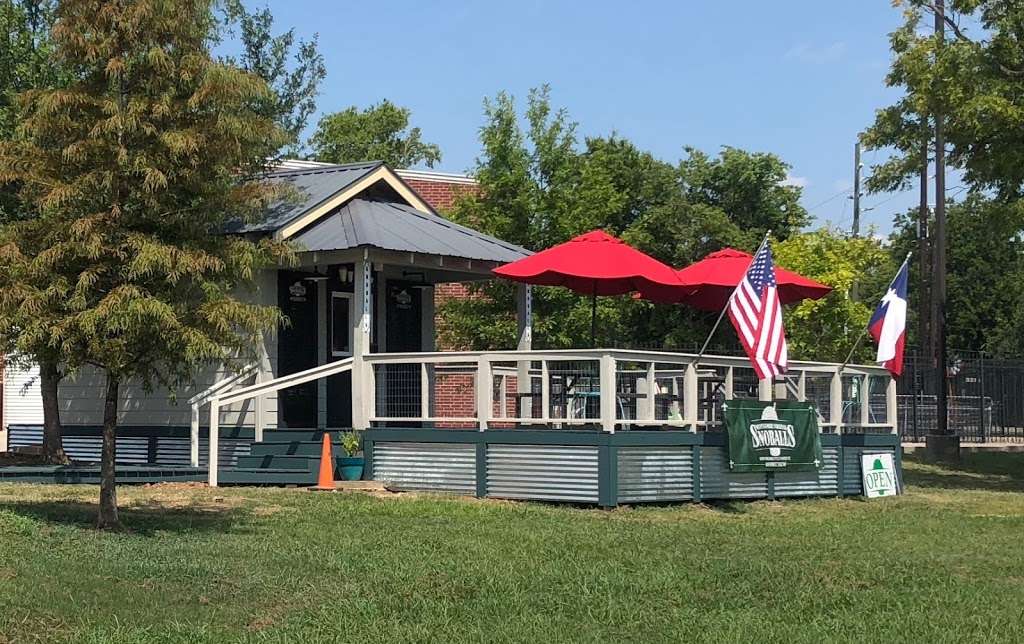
(712, 280)
(593, 264)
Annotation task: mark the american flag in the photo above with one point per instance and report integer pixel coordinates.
(757, 315)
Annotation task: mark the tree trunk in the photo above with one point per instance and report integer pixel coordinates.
(108, 519)
(53, 447)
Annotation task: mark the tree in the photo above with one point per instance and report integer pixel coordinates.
(985, 273)
(381, 132)
(974, 79)
(26, 63)
(540, 187)
(827, 329)
(295, 86)
(133, 171)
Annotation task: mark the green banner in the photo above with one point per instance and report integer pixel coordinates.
(772, 437)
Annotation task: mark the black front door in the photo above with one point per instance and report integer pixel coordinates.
(404, 317)
(404, 331)
(297, 347)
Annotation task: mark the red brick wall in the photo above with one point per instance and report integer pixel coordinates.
(454, 393)
(441, 195)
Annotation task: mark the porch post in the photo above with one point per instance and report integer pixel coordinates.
(321, 352)
(362, 396)
(764, 390)
(524, 323)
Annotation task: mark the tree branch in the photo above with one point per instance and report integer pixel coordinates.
(963, 37)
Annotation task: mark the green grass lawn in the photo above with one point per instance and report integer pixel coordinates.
(944, 563)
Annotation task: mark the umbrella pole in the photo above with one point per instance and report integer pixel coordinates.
(593, 318)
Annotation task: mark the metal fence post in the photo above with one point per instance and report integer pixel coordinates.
(981, 395)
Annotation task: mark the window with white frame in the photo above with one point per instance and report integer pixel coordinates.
(341, 324)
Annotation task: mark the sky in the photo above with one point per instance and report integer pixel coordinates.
(798, 78)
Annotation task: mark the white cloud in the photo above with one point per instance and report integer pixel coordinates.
(816, 55)
(797, 182)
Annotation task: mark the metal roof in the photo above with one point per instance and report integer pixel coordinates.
(393, 226)
(310, 187)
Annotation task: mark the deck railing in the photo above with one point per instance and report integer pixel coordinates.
(610, 389)
(220, 388)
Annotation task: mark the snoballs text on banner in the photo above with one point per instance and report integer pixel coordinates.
(772, 437)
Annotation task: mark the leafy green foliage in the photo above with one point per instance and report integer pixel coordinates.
(540, 187)
(985, 309)
(827, 329)
(380, 132)
(131, 172)
(293, 68)
(351, 442)
(973, 78)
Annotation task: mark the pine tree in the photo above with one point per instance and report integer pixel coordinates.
(133, 171)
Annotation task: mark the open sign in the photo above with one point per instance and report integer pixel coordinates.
(879, 475)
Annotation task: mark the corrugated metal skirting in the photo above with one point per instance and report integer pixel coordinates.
(824, 482)
(136, 450)
(543, 472)
(852, 483)
(655, 474)
(439, 467)
(717, 482)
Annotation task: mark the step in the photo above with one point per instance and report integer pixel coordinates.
(278, 461)
(305, 435)
(293, 448)
(270, 476)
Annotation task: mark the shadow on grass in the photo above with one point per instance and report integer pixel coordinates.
(992, 471)
(146, 519)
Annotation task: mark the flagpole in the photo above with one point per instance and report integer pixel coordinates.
(726, 307)
(864, 331)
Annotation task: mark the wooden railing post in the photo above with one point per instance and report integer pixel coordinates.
(424, 391)
(214, 441)
(193, 457)
(765, 390)
(892, 410)
(483, 391)
(691, 395)
(259, 409)
(650, 403)
(608, 391)
(865, 400)
(835, 401)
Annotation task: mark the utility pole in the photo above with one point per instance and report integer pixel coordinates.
(854, 290)
(923, 254)
(856, 189)
(943, 445)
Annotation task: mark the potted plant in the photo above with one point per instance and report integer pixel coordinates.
(351, 464)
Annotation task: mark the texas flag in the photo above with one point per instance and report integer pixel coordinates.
(888, 325)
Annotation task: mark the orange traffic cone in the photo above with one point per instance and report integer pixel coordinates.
(326, 479)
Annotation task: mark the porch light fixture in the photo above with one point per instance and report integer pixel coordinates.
(419, 275)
